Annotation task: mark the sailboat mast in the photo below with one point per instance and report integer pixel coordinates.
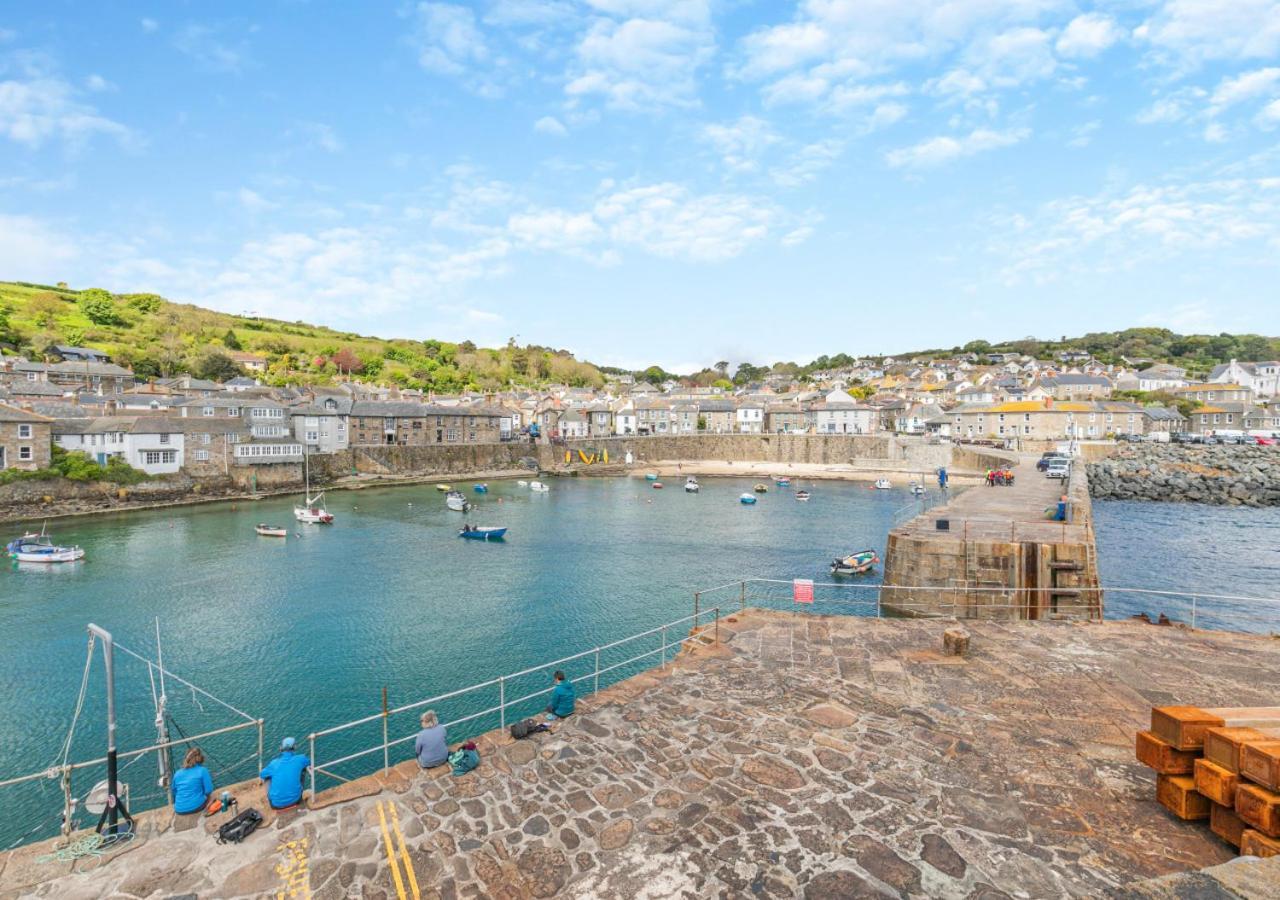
(164, 762)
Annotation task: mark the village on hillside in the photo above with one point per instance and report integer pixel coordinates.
(89, 404)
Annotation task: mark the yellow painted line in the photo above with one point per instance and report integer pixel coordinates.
(404, 851)
(391, 854)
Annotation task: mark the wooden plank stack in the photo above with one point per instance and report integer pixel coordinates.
(1219, 764)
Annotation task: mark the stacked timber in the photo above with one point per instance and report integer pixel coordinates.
(1221, 765)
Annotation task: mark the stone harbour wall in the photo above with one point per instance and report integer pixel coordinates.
(1223, 475)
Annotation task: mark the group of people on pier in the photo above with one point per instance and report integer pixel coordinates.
(999, 477)
(192, 785)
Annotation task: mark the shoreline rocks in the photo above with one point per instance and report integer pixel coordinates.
(1188, 473)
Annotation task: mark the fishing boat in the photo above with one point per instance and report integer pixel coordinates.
(802, 496)
(917, 489)
(538, 487)
(522, 483)
(747, 499)
(882, 484)
(481, 489)
(271, 531)
(482, 532)
(651, 476)
(691, 485)
(456, 501)
(657, 485)
(443, 488)
(312, 512)
(39, 548)
(760, 488)
(783, 481)
(855, 563)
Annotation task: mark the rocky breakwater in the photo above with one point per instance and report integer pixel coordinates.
(1224, 475)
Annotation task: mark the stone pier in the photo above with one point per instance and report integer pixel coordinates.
(803, 756)
(991, 552)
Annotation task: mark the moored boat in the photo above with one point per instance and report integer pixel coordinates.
(747, 499)
(271, 531)
(802, 495)
(456, 501)
(760, 488)
(657, 485)
(39, 548)
(522, 483)
(651, 476)
(855, 563)
(482, 532)
(917, 489)
(444, 488)
(481, 489)
(782, 481)
(312, 512)
(538, 487)
(882, 484)
(691, 485)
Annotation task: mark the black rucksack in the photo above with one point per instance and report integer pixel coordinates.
(527, 727)
(240, 827)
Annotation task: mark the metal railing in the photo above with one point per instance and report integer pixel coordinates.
(492, 696)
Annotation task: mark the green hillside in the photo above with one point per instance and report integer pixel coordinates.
(159, 338)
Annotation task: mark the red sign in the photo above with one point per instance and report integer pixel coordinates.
(802, 590)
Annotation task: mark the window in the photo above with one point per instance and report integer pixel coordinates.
(24, 431)
(164, 438)
(24, 453)
(159, 457)
(206, 438)
(202, 456)
(207, 411)
(452, 435)
(313, 437)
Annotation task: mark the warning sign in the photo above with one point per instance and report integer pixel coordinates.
(802, 590)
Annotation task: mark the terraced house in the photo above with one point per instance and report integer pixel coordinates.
(25, 439)
(410, 424)
(1047, 419)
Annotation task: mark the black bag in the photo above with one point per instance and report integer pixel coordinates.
(240, 827)
(523, 729)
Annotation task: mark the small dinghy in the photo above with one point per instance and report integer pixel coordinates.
(39, 548)
(747, 499)
(802, 496)
(271, 531)
(657, 485)
(481, 489)
(882, 484)
(855, 563)
(443, 488)
(691, 485)
(917, 490)
(522, 483)
(482, 532)
(782, 482)
(760, 488)
(651, 476)
(456, 501)
(538, 487)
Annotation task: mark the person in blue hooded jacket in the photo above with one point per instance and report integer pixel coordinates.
(284, 776)
(191, 785)
(562, 698)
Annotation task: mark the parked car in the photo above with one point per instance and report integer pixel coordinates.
(1182, 437)
(1266, 442)
(1058, 469)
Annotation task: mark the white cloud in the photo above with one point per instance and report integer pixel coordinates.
(1197, 31)
(668, 220)
(1088, 35)
(43, 107)
(741, 143)
(641, 63)
(943, 149)
(320, 136)
(1082, 135)
(149, 25)
(555, 229)
(206, 45)
(1012, 57)
(1269, 116)
(807, 164)
(1246, 87)
(254, 202)
(98, 84)
(550, 125)
(447, 38)
(32, 250)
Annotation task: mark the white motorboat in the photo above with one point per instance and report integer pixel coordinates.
(802, 496)
(456, 501)
(538, 487)
(522, 483)
(39, 548)
(271, 530)
(691, 485)
(313, 511)
(883, 484)
(917, 489)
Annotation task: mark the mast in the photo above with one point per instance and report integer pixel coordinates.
(163, 762)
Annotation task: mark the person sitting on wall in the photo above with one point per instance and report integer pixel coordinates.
(465, 758)
(191, 785)
(430, 746)
(283, 776)
(562, 698)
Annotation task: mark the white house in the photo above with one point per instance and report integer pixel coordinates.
(153, 444)
(1161, 378)
(321, 425)
(750, 417)
(844, 418)
(1262, 377)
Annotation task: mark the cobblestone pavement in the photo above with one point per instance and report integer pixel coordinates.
(806, 756)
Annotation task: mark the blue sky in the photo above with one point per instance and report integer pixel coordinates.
(656, 181)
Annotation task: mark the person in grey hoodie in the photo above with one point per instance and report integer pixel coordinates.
(430, 746)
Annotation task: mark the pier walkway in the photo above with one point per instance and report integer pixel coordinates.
(804, 756)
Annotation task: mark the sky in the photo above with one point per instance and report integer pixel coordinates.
(668, 182)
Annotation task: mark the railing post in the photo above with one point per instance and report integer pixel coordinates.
(717, 625)
(879, 612)
(597, 687)
(502, 702)
(312, 739)
(697, 599)
(386, 750)
(742, 597)
(664, 646)
(1193, 611)
(260, 722)
(66, 801)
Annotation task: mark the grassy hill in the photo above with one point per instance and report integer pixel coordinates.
(159, 338)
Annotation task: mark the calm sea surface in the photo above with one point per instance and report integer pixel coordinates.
(306, 632)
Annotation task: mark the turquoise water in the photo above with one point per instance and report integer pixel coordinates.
(305, 632)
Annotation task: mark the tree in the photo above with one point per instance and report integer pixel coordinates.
(99, 307)
(143, 303)
(230, 341)
(8, 335)
(723, 368)
(347, 362)
(45, 308)
(214, 365)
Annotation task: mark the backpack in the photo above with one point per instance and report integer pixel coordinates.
(527, 727)
(240, 827)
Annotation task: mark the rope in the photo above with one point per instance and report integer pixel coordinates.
(84, 686)
(93, 845)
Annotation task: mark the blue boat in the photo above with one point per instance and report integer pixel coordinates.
(747, 499)
(482, 533)
(481, 489)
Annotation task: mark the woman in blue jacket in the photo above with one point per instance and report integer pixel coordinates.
(562, 698)
(191, 784)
